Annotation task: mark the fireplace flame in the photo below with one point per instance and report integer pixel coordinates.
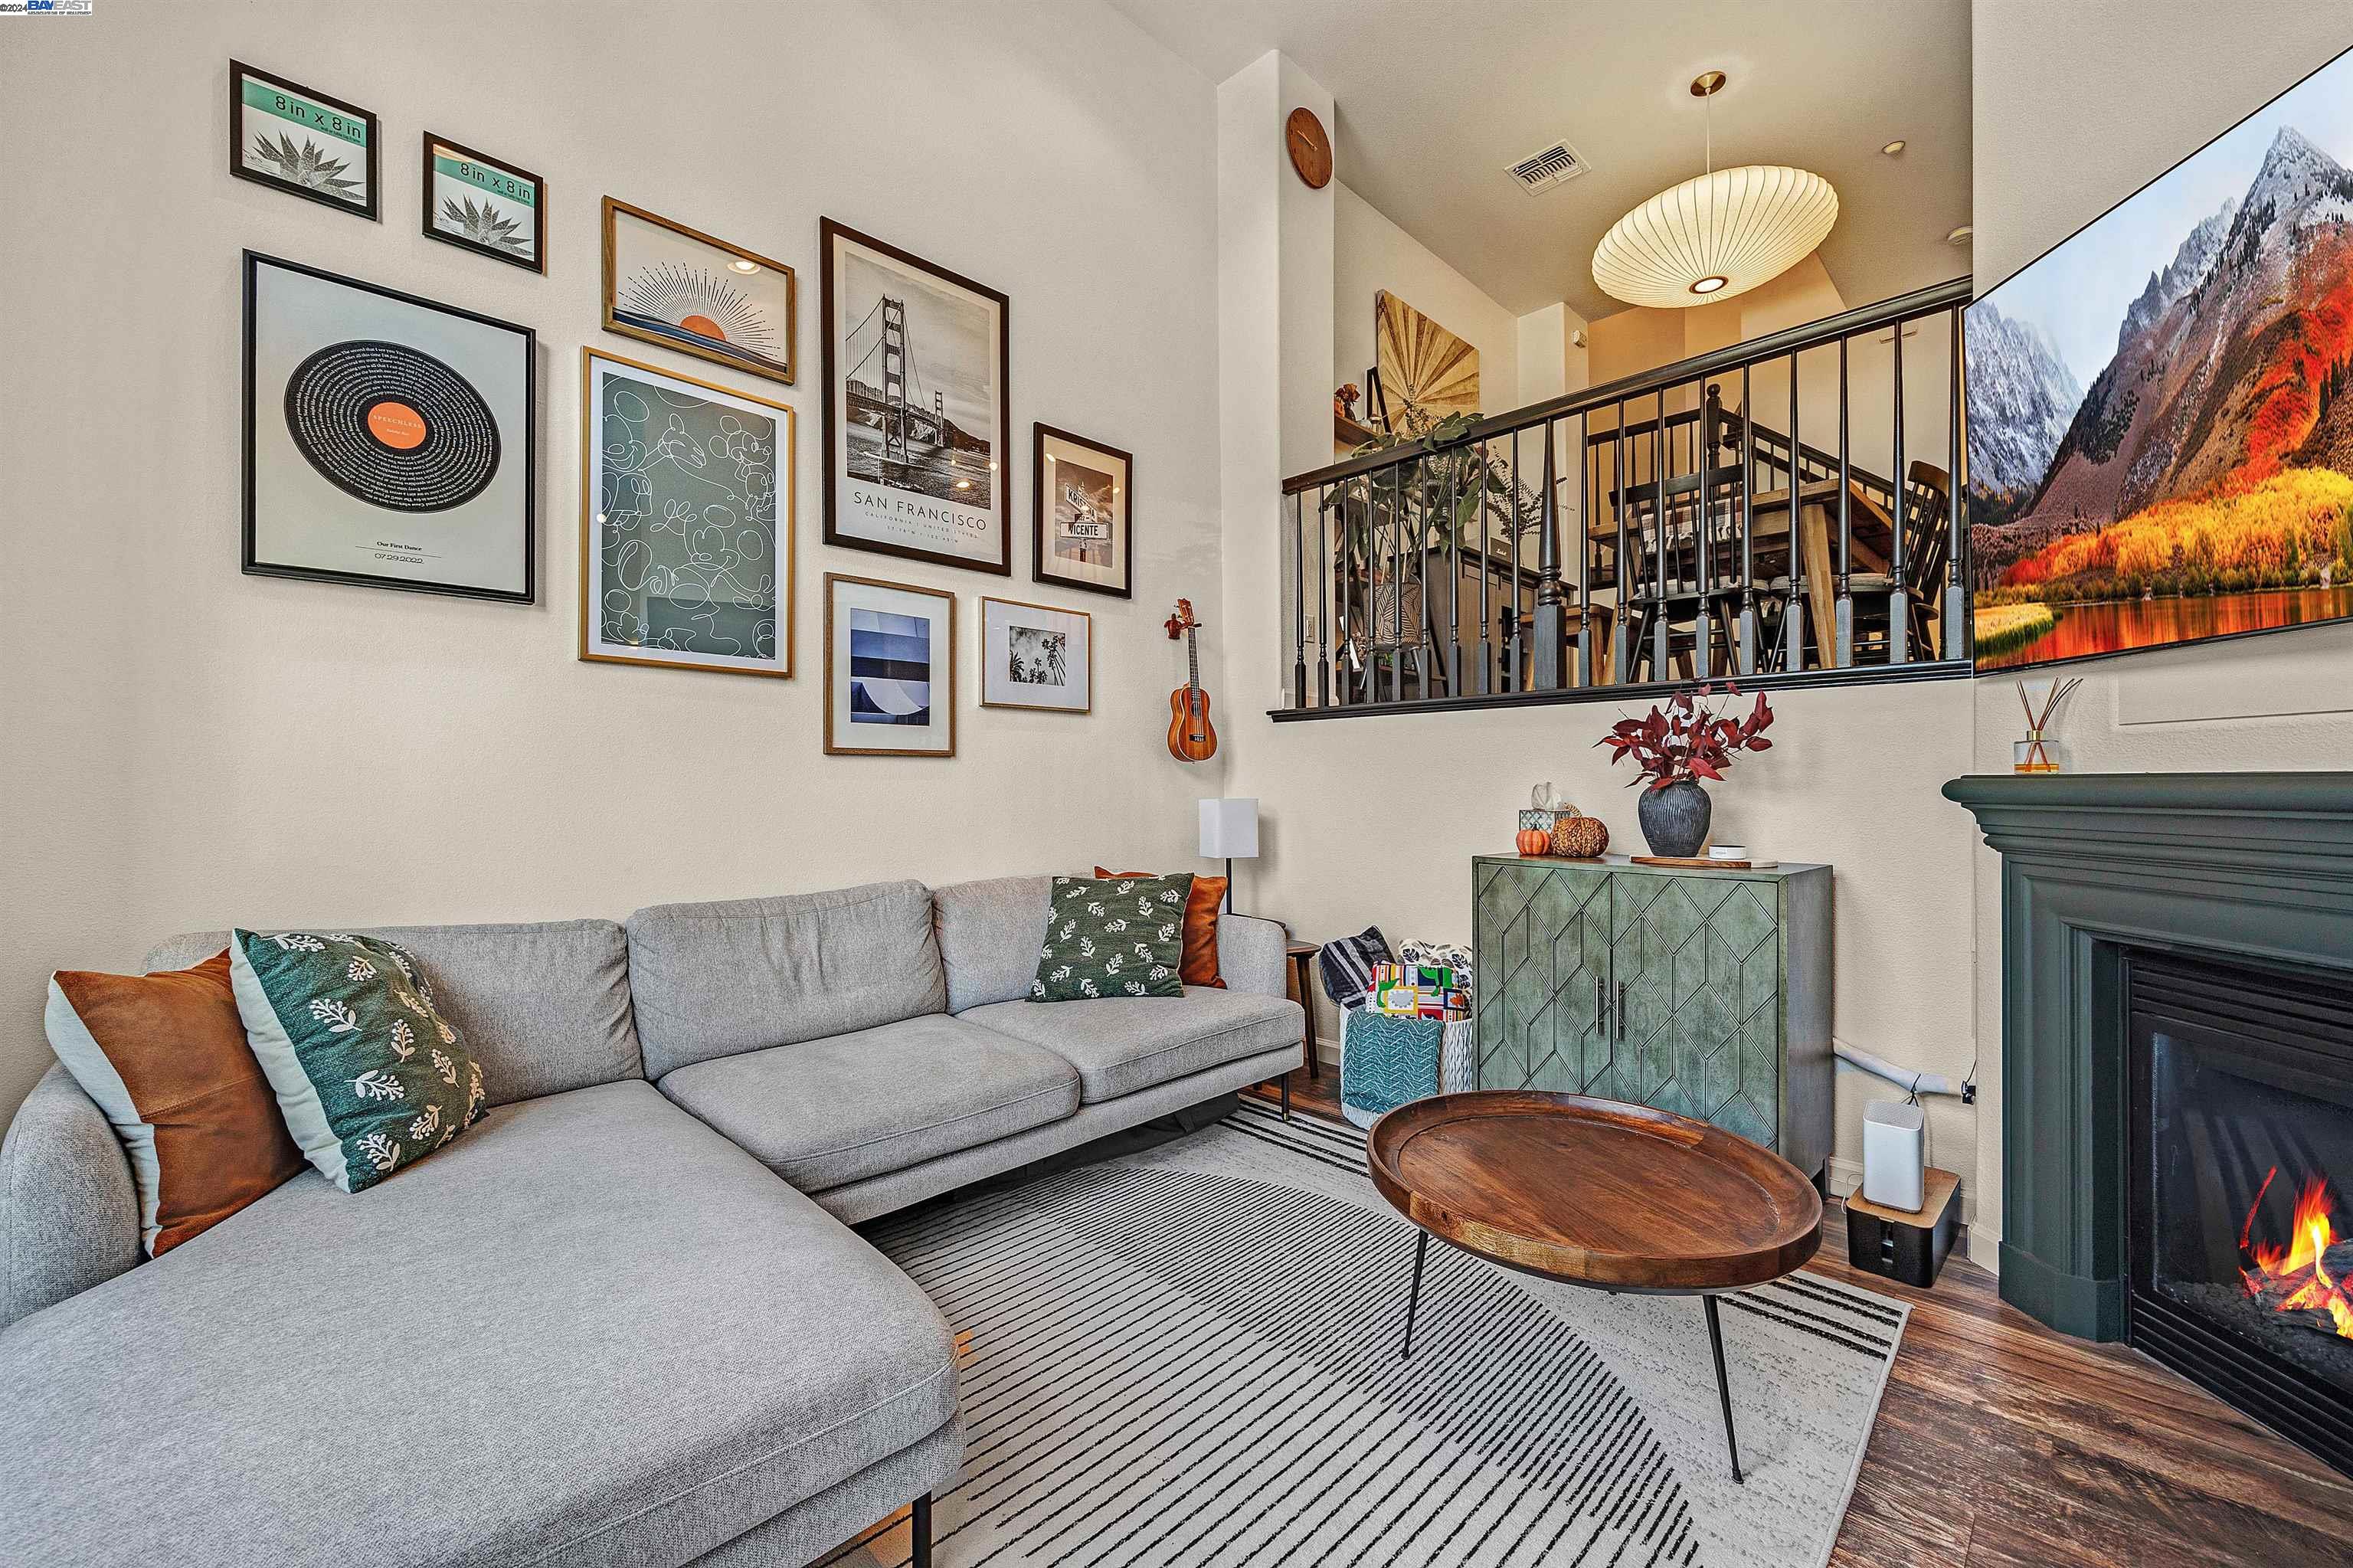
(2298, 1278)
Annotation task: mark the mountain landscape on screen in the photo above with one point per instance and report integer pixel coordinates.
(2159, 462)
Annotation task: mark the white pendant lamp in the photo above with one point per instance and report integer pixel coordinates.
(1717, 234)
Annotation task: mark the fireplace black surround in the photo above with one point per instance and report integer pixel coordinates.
(2252, 868)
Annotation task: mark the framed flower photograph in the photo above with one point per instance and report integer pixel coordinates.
(686, 522)
(1035, 656)
(917, 413)
(666, 283)
(889, 669)
(1082, 536)
(301, 140)
(475, 201)
(388, 440)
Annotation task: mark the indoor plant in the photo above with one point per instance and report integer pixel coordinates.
(1675, 747)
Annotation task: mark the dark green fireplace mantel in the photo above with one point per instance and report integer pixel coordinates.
(2257, 866)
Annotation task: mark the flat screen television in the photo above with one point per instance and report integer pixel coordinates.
(2160, 407)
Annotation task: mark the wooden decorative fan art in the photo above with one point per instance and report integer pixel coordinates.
(1425, 372)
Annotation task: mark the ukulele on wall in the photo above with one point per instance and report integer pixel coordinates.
(1191, 737)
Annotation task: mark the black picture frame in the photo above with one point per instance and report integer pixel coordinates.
(538, 261)
(829, 234)
(251, 563)
(1039, 498)
(239, 72)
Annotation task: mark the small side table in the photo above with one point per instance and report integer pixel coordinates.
(1301, 956)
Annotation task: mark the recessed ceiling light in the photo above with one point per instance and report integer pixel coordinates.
(741, 265)
(1894, 147)
(1710, 284)
(1960, 236)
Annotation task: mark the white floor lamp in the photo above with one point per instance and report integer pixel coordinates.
(1229, 832)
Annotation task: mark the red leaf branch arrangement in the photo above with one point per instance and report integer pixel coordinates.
(1688, 738)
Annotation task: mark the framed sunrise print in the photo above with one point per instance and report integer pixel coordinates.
(301, 140)
(889, 669)
(686, 522)
(476, 201)
(388, 440)
(1035, 656)
(1081, 533)
(666, 283)
(916, 408)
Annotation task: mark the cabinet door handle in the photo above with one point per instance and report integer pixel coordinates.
(1601, 1001)
(1622, 1009)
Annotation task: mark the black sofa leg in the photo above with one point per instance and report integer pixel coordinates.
(922, 1532)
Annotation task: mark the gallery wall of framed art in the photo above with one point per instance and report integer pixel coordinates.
(918, 407)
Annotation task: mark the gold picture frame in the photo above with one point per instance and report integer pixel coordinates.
(709, 296)
(1085, 680)
(938, 647)
(784, 531)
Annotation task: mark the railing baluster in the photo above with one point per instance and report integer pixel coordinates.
(1845, 644)
(1550, 635)
(1583, 674)
(1486, 569)
(1516, 670)
(1456, 464)
(1899, 586)
(1748, 529)
(1659, 636)
(1800, 573)
(1397, 583)
(1622, 632)
(1322, 592)
(1298, 601)
(1703, 622)
(1955, 645)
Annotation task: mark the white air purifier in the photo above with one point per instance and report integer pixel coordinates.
(1891, 1155)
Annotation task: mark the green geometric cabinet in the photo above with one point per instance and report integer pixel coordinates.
(1706, 992)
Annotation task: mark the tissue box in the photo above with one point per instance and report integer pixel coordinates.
(1417, 991)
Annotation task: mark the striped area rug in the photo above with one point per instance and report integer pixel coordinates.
(1190, 1357)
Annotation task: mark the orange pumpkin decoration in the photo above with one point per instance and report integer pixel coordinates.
(1579, 838)
(1534, 840)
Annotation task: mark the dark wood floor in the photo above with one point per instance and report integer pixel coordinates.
(2003, 1444)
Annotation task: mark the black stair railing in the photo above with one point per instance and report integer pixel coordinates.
(1700, 521)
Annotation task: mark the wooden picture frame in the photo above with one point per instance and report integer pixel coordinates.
(991, 663)
(839, 688)
(315, 169)
(780, 487)
(724, 297)
(1057, 506)
(506, 190)
(321, 472)
(899, 506)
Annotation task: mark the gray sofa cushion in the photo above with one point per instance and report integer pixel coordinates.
(544, 1007)
(714, 980)
(830, 1111)
(990, 933)
(1121, 1044)
(627, 1343)
(68, 1208)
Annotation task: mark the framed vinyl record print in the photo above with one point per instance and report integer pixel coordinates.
(388, 440)
(1080, 531)
(686, 525)
(916, 408)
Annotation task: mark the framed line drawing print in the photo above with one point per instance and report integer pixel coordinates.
(686, 522)
(301, 141)
(1036, 656)
(1081, 528)
(889, 669)
(916, 408)
(388, 440)
(475, 201)
(668, 284)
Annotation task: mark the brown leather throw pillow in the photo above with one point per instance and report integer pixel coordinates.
(164, 1056)
(1199, 964)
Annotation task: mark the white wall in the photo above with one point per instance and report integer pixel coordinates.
(1369, 254)
(187, 746)
(2066, 126)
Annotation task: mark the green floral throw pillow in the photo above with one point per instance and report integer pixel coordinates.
(369, 1074)
(1120, 936)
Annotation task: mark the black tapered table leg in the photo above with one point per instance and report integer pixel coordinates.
(922, 1532)
(1285, 1081)
(1723, 1388)
(1413, 1302)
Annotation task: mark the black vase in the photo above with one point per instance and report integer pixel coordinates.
(1674, 819)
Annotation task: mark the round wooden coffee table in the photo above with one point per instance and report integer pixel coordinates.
(1596, 1193)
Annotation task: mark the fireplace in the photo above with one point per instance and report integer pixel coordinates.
(2239, 1235)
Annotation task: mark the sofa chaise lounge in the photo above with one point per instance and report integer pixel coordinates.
(622, 1320)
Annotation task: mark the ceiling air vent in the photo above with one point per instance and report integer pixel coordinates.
(1554, 165)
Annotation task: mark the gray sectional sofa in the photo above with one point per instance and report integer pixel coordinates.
(624, 1318)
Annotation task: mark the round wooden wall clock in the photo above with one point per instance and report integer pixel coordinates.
(1311, 149)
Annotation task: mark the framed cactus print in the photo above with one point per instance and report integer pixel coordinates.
(302, 140)
(475, 201)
